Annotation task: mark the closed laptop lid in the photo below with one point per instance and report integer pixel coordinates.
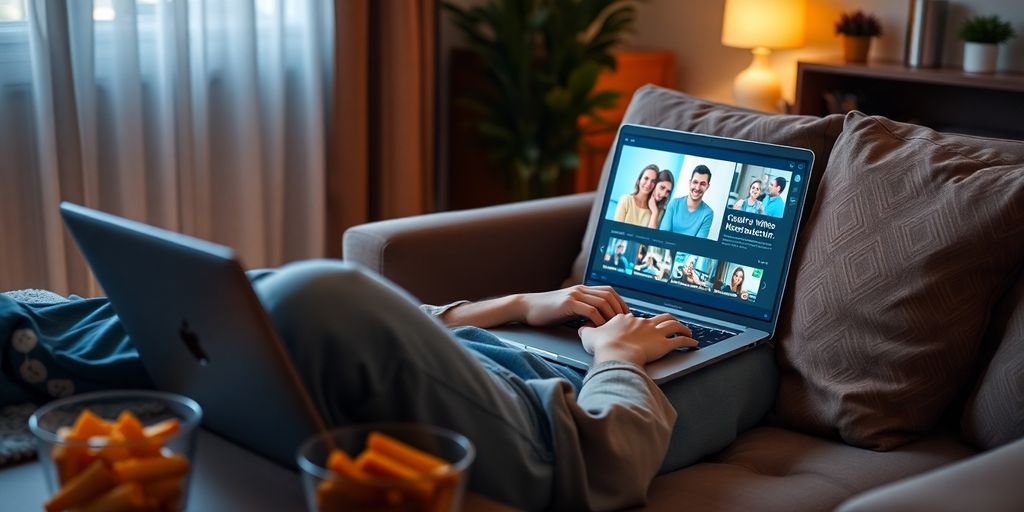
(199, 329)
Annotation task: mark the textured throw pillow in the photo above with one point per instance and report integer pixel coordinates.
(994, 414)
(666, 108)
(914, 237)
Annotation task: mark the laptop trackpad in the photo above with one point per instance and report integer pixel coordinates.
(558, 343)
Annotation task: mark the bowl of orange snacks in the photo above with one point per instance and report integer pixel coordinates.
(117, 450)
(386, 467)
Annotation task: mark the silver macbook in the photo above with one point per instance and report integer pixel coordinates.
(716, 255)
(199, 329)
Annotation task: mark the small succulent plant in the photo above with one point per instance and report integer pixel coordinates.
(986, 29)
(858, 24)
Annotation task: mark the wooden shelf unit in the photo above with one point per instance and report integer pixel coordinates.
(944, 99)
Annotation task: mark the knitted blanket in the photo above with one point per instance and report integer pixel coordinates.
(16, 442)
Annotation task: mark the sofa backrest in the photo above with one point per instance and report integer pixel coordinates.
(666, 108)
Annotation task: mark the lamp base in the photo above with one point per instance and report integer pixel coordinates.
(758, 87)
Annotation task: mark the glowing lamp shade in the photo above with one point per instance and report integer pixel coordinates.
(761, 25)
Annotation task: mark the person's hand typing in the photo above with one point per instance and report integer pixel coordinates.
(597, 304)
(636, 340)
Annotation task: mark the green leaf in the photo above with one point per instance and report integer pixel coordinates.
(583, 78)
(557, 99)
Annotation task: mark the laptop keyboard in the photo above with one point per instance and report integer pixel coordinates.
(705, 336)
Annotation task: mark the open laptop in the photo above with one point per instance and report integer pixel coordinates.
(199, 329)
(717, 260)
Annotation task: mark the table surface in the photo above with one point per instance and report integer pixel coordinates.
(227, 477)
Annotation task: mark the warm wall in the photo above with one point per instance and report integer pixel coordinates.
(706, 68)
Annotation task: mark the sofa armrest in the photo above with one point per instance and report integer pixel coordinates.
(476, 253)
(990, 481)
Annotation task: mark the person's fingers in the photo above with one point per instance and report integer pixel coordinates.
(613, 297)
(681, 341)
(674, 328)
(622, 302)
(584, 309)
(603, 306)
(608, 294)
(663, 317)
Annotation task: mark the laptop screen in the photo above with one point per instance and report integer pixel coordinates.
(700, 220)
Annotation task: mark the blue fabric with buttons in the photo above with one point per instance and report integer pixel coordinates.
(49, 351)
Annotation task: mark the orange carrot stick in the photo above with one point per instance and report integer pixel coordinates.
(70, 461)
(123, 498)
(129, 426)
(396, 450)
(115, 449)
(377, 464)
(87, 425)
(339, 462)
(152, 468)
(95, 480)
(162, 429)
(164, 489)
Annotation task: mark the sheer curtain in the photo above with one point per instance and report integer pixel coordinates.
(201, 116)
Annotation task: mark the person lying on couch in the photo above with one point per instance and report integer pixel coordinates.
(547, 435)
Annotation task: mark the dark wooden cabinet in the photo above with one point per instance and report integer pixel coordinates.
(944, 99)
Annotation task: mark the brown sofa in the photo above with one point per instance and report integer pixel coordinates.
(901, 344)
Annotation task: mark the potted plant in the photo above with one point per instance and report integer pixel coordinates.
(539, 65)
(982, 36)
(857, 29)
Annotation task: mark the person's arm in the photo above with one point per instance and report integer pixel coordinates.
(618, 401)
(596, 303)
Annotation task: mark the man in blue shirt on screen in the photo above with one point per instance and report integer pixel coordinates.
(775, 205)
(691, 216)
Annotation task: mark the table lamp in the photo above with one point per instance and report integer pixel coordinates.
(761, 25)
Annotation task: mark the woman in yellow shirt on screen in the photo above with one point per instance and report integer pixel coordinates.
(645, 206)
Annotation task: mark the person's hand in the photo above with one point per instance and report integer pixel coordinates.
(636, 340)
(652, 204)
(596, 303)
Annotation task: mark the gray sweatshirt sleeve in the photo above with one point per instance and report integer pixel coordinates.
(610, 441)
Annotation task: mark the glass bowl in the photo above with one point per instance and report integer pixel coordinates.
(439, 490)
(112, 459)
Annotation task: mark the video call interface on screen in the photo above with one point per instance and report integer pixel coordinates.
(703, 225)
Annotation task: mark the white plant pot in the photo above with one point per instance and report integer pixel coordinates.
(980, 57)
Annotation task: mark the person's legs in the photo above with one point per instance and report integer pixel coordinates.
(366, 353)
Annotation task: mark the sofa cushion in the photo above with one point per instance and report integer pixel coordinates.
(771, 469)
(907, 250)
(666, 108)
(994, 414)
